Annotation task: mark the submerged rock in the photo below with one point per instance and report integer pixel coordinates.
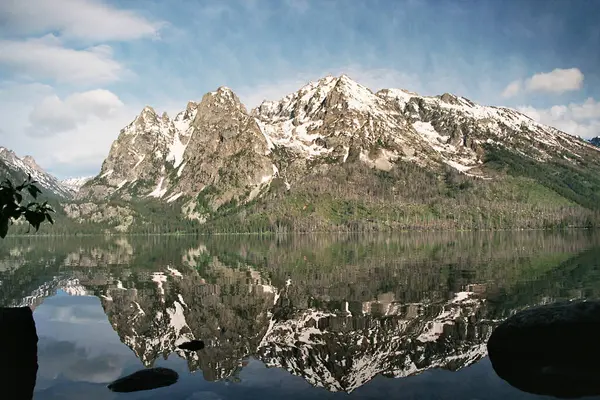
(146, 379)
(193, 345)
(550, 350)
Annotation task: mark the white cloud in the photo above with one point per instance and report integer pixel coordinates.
(97, 115)
(46, 58)
(512, 89)
(53, 115)
(81, 19)
(556, 81)
(81, 150)
(581, 119)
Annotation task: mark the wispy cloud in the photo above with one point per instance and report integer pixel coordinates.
(48, 59)
(79, 19)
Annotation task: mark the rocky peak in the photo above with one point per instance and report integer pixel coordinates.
(29, 160)
(147, 117)
(191, 106)
(224, 98)
(4, 150)
(226, 150)
(317, 98)
(349, 94)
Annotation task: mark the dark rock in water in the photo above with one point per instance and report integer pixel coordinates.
(18, 346)
(550, 350)
(145, 379)
(193, 345)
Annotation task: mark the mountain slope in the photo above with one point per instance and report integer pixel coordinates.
(336, 137)
(16, 169)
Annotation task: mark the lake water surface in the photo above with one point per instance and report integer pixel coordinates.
(293, 317)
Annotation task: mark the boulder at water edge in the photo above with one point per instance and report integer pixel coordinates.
(550, 350)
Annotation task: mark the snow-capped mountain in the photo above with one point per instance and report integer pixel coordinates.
(74, 184)
(595, 141)
(17, 169)
(229, 154)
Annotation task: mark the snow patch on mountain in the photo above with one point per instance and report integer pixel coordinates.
(159, 191)
(75, 184)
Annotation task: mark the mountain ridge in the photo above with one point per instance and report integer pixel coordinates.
(217, 157)
(293, 123)
(336, 155)
(16, 169)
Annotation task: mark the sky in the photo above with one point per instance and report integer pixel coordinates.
(74, 72)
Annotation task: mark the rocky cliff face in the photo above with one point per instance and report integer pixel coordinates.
(140, 156)
(214, 148)
(227, 156)
(216, 152)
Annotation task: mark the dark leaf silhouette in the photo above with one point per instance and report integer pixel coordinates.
(11, 209)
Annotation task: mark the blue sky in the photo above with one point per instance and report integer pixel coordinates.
(73, 72)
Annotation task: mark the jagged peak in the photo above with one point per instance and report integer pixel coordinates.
(349, 84)
(191, 105)
(9, 151)
(346, 78)
(29, 160)
(224, 90)
(147, 115)
(331, 88)
(223, 95)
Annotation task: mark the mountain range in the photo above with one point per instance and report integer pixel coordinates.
(334, 154)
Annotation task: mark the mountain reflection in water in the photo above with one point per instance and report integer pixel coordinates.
(341, 313)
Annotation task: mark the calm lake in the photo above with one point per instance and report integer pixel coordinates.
(292, 317)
